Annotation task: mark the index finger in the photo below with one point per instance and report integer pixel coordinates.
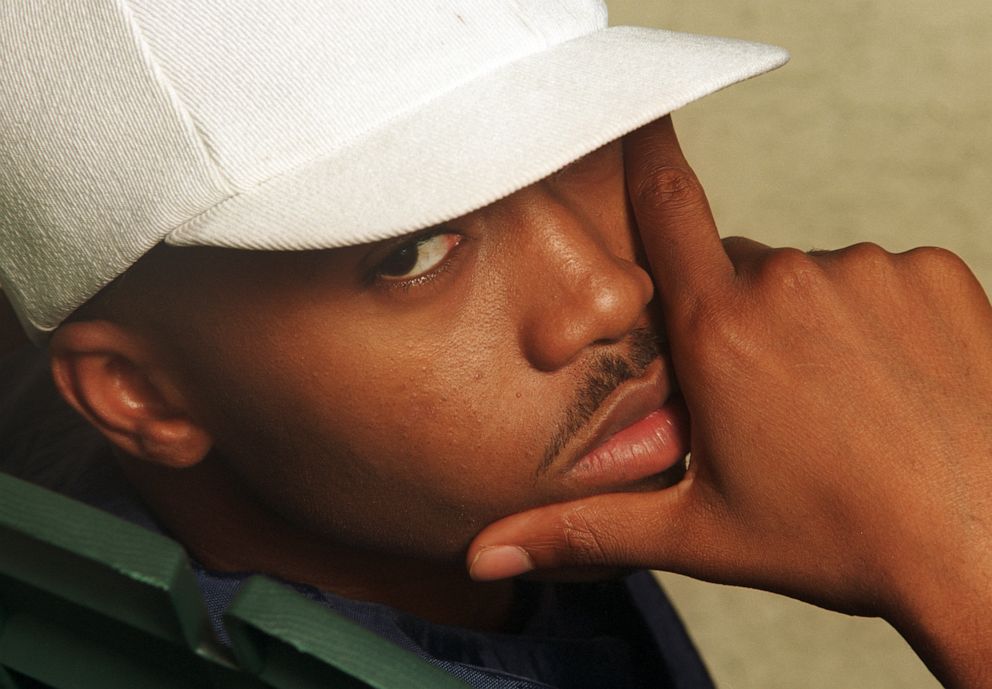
(674, 217)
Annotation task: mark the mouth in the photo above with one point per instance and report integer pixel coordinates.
(641, 431)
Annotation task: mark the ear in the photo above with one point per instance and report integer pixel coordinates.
(120, 384)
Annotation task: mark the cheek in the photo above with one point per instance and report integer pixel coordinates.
(423, 466)
(411, 440)
(438, 426)
(414, 450)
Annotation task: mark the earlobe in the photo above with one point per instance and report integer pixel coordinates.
(118, 383)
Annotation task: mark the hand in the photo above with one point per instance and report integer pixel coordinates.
(841, 411)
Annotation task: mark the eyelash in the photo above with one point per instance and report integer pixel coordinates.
(376, 279)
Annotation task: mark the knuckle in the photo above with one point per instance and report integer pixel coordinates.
(869, 255)
(792, 270)
(668, 187)
(938, 263)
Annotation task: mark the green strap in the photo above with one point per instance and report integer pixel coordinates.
(83, 592)
(295, 643)
(76, 553)
(90, 601)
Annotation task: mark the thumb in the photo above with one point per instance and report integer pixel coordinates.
(642, 530)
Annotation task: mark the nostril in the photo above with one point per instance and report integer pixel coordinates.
(602, 309)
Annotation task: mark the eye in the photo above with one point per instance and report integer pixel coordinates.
(417, 257)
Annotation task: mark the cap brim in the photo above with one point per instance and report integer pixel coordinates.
(481, 141)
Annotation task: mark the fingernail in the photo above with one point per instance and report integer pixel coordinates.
(500, 562)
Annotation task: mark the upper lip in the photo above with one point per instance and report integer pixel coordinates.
(630, 402)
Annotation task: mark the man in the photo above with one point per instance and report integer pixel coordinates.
(307, 269)
(367, 399)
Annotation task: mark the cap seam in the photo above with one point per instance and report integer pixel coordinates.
(191, 224)
(185, 115)
(522, 16)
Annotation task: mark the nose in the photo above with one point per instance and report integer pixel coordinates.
(579, 294)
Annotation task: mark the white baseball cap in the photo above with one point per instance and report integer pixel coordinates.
(302, 124)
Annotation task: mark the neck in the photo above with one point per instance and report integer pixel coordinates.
(209, 517)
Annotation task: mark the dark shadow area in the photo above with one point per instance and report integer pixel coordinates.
(11, 334)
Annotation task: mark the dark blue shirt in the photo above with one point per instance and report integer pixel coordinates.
(613, 634)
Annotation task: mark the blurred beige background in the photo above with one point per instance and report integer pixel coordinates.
(880, 129)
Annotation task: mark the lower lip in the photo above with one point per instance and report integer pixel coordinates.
(647, 447)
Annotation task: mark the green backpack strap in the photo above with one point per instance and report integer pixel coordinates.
(90, 600)
(294, 643)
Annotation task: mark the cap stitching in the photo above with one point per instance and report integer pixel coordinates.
(185, 115)
(522, 16)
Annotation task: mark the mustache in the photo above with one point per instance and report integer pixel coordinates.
(606, 374)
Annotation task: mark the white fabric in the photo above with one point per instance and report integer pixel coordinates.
(301, 124)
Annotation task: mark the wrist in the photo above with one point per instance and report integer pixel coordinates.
(942, 605)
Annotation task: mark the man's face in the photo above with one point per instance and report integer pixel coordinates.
(399, 396)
